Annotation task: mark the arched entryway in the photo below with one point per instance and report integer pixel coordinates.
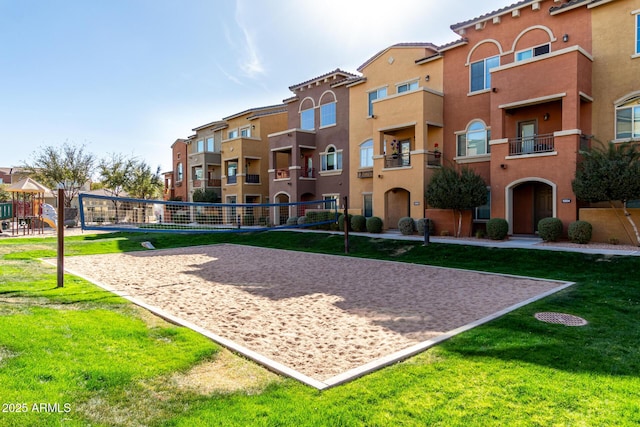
(281, 213)
(529, 201)
(397, 205)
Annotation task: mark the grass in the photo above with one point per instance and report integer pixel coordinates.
(115, 365)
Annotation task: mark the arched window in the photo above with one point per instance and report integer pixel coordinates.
(307, 114)
(366, 154)
(331, 160)
(628, 119)
(327, 109)
(475, 141)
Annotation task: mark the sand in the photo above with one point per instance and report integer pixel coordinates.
(320, 315)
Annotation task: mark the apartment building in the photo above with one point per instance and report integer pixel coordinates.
(245, 153)
(310, 159)
(175, 181)
(395, 131)
(204, 161)
(518, 104)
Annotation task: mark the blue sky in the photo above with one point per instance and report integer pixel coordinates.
(132, 76)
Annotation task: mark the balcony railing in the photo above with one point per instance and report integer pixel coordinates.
(308, 173)
(531, 144)
(283, 174)
(232, 179)
(397, 160)
(252, 178)
(216, 182)
(434, 158)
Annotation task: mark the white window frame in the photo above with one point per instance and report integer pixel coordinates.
(179, 172)
(465, 134)
(200, 146)
(486, 73)
(366, 154)
(311, 119)
(407, 87)
(233, 133)
(380, 93)
(210, 144)
(337, 162)
(328, 118)
(245, 132)
(532, 51)
(198, 173)
(632, 105)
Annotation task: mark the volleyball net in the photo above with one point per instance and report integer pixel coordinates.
(107, 213)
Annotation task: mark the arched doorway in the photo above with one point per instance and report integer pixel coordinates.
(530, 201)
(281, 213)
(397, 205)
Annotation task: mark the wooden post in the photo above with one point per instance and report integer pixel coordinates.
(60, 230)
(346, 226)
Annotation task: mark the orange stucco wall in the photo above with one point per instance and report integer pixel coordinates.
(611, 223)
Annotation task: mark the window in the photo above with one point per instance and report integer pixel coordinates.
(376, 94)
(332, 201)
(245, 132)
(481, 73)
(198, 173)
(638, 33)
(232, 169)
(628, 120)
(406, 87)
(179, 172)
(484, 212)
(534, 51)
(367, 205)
(307, 119)
(233, 134)
(331, 160)
(200, 146)
(366, 154)
(475, 141)
(328, 114)
(210, 144)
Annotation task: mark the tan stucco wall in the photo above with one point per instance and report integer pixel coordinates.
(615, 73)
(608, 223)
(413, 115)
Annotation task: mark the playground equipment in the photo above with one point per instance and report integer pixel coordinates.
(49, 215)
(27, 200)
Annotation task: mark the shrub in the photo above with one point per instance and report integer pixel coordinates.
(420, 226)
(358, 223)
(374, 225)
(181, 217)
(292, 220)
(341, 221)
(580, 232)
(407, 225)
(302, 220)
(497, 228)
(480, 234)
(248, 219)
(550, 229)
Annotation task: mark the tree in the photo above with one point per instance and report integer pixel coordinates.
(456, 190)
(115, 175)
(69, 166)
(207, 195)
(4, 194)
(144, 184)
(610, 173)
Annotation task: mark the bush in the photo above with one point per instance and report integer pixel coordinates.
(181, 218)
(302, 220)
(407, 226)
(550, 229)
(292, 220)
(580, 232)
(374, 225)
(420, 226)
(497, 228)
(248, 219)
(358, 223)
(341, 221)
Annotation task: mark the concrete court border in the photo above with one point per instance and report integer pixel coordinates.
(351, 374)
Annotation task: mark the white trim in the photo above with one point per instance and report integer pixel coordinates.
(284, 132)
(473, 159)
(567, 132)
(533, 101)
(566, 9)
(585, 96)
(598, 3)
(499, 141)
(335, 99)
(288, 147)
(478, 92)
(528, 156)
(313, 104)
(398, 126)
(434, 124)
(628, 97)
(543, 57)
(552, 38)
(508, 196)
(481, 42)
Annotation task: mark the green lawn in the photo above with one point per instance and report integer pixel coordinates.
(95, 359)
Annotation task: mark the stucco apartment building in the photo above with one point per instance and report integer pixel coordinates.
(518, 106)
(310, 159)
(395, 131)
(176, 180)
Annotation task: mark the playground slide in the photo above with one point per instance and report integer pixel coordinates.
(49, 215)
(51, 223)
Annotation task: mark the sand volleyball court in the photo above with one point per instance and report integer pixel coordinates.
(328, 318)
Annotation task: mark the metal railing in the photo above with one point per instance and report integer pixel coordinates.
(400, 160)
(252, 178)
(308, 172)
(283, 174)
(434, 158)
(531, 144)
(232, 179)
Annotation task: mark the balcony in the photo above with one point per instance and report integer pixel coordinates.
(232, 179)
(401, 160)
(434, 158)
(308, 172)
(214, 182)
(531, 145)
(251, 178)
(283, 174)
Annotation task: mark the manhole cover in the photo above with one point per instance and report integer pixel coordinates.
(561, 318)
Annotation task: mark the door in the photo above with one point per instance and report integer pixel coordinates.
(405, 150)
(542, 203)
(527, 133)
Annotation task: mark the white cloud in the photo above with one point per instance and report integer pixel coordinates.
(250, 63)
